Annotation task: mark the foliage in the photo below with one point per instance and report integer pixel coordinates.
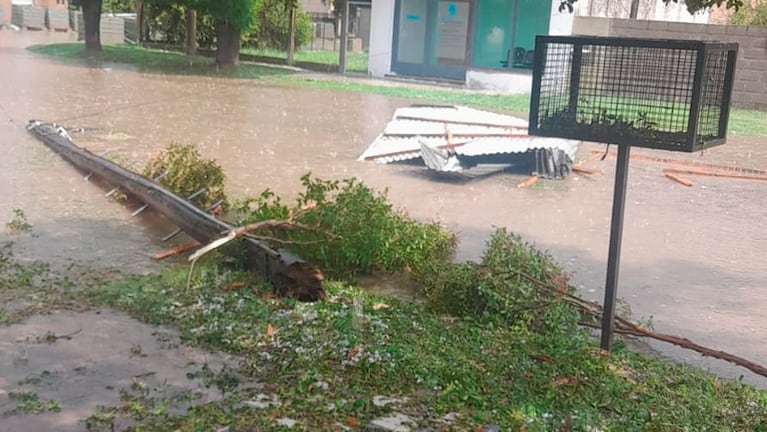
(501, 287)
(236, 12)
(19, 222)
(187, 173)
(118, 6)
(166, 22)
(325, 362)
(749, 15)
(272, 24)
(604, 126)
(693, 6)
(30, 403)
(354, 229)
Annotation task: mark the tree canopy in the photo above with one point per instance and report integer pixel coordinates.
(239, 13)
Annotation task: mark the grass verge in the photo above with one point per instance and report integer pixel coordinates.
(355, 61)
(358, 357)
(326, 362)
(156, 61)
(742, 122)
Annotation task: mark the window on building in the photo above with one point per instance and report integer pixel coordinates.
(505, 32)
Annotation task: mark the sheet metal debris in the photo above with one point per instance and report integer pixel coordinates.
(469, 143)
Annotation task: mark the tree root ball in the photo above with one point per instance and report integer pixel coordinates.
(301, 281)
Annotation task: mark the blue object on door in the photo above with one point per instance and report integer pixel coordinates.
(452, 9)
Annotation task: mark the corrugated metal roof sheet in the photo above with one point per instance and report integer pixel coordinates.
(467, 131)
(421, 127)
(459, 114)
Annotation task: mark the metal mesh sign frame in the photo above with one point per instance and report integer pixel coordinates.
(664, 94)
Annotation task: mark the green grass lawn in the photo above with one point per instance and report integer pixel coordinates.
(355, 61)
(742, 122)
(512, 376)
(156, 61)
(326, 362)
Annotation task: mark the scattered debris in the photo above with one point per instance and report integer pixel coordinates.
(702, 169)
(382, 401)
(673, 172)
(263, 401)
(676, 178)
(469, 143)
(529, 182)
(395, 422)
(581, 170)
(51, 337)
(175, 250)
(286, 422)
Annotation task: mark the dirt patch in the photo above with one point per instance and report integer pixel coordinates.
(80, 372)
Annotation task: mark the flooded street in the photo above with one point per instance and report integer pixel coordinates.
(693, 258)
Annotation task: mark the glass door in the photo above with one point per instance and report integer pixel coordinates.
(431, 38)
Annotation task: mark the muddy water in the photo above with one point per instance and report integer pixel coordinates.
(693, 258)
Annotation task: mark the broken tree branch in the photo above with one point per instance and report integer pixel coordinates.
(289, 223)
(175, 251)
(625, 326)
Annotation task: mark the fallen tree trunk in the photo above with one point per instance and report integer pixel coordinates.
(195, 222)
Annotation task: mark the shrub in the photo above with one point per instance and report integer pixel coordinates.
(749, 15)
(188, 172)
(355, 230)
(505, 287)
(272, 24)
(167, 23)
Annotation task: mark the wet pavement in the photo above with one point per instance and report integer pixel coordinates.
(693, 258)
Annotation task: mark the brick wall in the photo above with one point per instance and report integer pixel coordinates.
(750, 89)
(51, 4)
(5, 12)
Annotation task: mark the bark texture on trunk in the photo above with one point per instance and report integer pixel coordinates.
(92, 21)
(139, 22)
(191, 32)
(227, 44)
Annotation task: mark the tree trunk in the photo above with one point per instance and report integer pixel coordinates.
(191, 31)
(227, 44)
(92, 19)
(139, 23)
(291, 35)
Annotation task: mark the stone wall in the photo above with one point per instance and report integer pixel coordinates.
(750, 89)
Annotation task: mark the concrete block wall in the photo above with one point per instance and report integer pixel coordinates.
(750, 88)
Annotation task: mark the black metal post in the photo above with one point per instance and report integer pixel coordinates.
(614, 253)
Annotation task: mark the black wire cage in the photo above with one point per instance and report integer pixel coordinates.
(664, 94)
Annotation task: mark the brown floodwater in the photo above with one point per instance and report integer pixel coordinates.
(695, 259)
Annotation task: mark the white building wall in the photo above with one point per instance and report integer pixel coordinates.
(677, 12)
(560, 23)
(381, 36)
